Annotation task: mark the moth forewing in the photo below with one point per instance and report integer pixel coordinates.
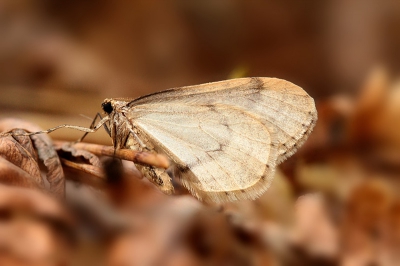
(226, 137)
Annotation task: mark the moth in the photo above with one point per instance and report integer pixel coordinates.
(224, 139)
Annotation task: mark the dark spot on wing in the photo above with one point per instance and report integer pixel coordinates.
(256, 83)
(224, 123)
(220, 148)
(183, 168)
(211, 107)
(148, 95)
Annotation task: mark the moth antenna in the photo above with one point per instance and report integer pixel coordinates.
(84, 129)
(85, 116)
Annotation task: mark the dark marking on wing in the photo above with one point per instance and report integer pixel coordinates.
(220, 148)
(256, 83)
(183, 168)
(149, 95)
(211, 107)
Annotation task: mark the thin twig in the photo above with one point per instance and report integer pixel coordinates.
(147, 158)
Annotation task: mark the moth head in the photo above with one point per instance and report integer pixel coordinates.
(107, 106)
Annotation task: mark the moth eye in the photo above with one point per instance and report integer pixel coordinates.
(107, 107)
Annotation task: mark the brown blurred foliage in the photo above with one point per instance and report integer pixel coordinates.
(335, 202)
(34, 229)
(65, 57)
(353, 220)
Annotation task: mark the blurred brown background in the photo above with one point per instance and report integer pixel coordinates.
(60, 59)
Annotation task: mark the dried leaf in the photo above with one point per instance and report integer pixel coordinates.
(14, 152)
(55, 173)
(75, 152)
(86, 168)
(13, 175)
(43, 146)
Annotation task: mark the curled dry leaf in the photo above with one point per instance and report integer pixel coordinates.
(82, 161)
(121, 183)
(83, 157)
(76, 152)
(30, 148)
(85, 168)
(11, 174)
(75, 156)
(55, 174)
(21, 154)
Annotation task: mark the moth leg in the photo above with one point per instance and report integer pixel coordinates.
(158, 177)
(98, 115)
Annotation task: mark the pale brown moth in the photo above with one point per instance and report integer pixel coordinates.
(224, 138)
